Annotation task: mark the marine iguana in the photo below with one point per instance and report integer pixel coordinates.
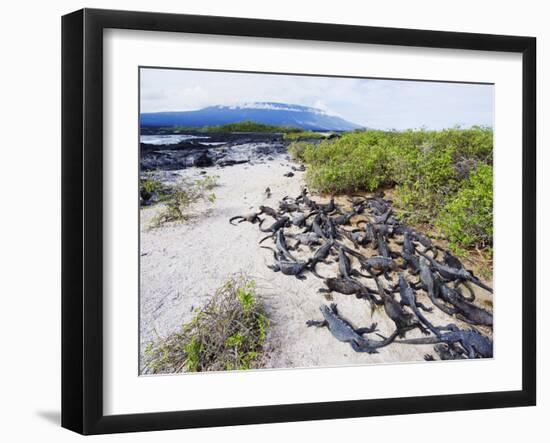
(408, 253)
(383, 247)
(300, 219)
(280, 223)
(374, 263)
(384, 230)
(451, 260)
(378, 263)
(464, 310)
(418, 237)
(343, 331)
(321, 255)
(305, 238)
(386, 218)
(447, 352)
(349, 286)
(329, 227)
(280, 244)
(302, 196)
(453, 274)
(378, 205)
(359, 237)
(429, 283)
(358, 204)
(474, 343)
(454, 262)
(269, 211)
(316, 227)
(307, 201)
(369, 233)
(288, 267)
(404, 321)
(408, 298)
(251, 218)
(343, 219)
(373, 229)
(344, 264)
(284, 206)
(329, 207)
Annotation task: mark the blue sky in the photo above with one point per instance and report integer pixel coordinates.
(374, 103)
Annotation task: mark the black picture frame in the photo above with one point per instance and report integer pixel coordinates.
(82, 218)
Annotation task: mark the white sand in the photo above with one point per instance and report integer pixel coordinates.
(183, 264)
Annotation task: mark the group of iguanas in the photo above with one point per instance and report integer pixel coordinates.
(324, 228)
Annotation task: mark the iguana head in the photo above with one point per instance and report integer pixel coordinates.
(325, 310)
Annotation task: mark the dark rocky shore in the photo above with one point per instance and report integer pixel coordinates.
(212, 149)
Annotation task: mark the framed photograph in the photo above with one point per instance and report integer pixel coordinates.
(269, 221)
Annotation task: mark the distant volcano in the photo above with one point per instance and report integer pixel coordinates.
(265, 112)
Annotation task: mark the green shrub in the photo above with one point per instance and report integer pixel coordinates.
(426, 183)
(227, 334)
(303, 135)
(242, 126)
(150, 185)
(467, 218)
(297, 149)
(427, 168)
(355, 161)
(250, 126)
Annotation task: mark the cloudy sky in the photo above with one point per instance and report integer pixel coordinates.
(383, 104)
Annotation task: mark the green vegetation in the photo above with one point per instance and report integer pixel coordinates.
(177, 202)
(150, 185)
(303, 135)
(467, 218)
(297, 149)
(443, 178)
(290, 132)
(227, 334)
(243, 126)
(250, 126)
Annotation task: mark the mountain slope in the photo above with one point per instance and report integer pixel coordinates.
(266, 112)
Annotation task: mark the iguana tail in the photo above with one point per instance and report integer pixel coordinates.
(479, 283)
(314, 272)
(420, 341)
(265, 238)
(235, 218)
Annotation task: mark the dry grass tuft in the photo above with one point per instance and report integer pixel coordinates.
(176, 204)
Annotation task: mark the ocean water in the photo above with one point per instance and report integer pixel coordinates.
(168, 139)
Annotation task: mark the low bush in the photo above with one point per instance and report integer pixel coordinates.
(297, 149)
(150, 185)
(227, 334)
(427, 168)
(467, 217)
(303, 135)
(244, 126)
(250, 126)
(177, 202)
(355, 161)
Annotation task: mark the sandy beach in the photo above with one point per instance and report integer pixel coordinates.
(182, 264)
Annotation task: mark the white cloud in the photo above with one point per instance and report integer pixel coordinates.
(374, 103)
